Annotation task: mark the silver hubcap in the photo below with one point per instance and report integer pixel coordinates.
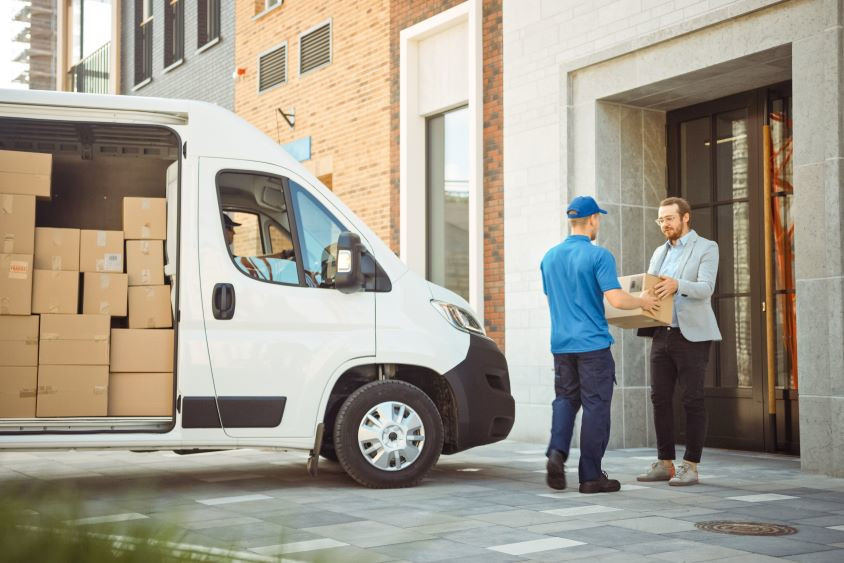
(391, 436)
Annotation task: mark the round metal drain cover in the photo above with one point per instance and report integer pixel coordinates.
(746, 528)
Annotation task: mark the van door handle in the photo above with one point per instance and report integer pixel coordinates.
(222, 301)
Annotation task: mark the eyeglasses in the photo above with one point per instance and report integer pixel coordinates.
(666, 219)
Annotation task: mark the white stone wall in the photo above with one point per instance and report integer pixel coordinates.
(569, 130)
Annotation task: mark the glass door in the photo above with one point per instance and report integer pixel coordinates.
(779, 119)
(714, 164)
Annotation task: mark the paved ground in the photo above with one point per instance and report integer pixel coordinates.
(488, 504)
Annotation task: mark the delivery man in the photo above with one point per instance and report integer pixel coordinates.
(576, 276)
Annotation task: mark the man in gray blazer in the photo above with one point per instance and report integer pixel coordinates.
(688, 266)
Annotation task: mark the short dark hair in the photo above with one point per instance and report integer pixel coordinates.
(683, 206)
(577, 221)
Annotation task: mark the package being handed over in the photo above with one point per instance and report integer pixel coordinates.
(637, 318)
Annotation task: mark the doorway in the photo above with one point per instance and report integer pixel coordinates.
(716, 158)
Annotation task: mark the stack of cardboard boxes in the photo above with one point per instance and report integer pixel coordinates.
(141, 381)
(23, 177)
(73, 365)
(60, 358)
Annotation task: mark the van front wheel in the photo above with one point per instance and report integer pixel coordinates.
(388, 434)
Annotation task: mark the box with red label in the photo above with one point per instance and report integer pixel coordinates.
(15, 284)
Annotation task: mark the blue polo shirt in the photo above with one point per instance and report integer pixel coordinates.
(575, 275)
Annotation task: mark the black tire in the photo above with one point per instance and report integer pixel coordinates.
(348, 421)
(327, 451)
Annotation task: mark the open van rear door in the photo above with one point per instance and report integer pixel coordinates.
(276, 330)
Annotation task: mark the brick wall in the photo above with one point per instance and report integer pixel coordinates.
(404, 14)
(205, 76)
(343, 107)
(493, 83)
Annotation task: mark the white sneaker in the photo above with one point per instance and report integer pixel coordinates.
(686, 475)
(658, 472)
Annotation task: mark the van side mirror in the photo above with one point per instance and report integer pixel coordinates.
(349, 276)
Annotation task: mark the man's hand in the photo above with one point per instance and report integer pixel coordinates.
(665, 288)
(649, 303)
(287, 254)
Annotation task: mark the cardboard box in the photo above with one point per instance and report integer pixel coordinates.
(101, 251)
(17, 391)
(141, 350)
(637, 318)
(72, 391)
(55, 292)
(25, 173)
(145, 218)
(145, 262)
(74, 340)
(140, 394)
(19, 341)
(105, 294)
(15, 284)
(57, 249)
(149, 307)
(17, 224)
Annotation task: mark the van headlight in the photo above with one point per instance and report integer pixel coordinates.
(460, 318)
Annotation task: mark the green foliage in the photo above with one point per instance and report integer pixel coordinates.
(38, 524)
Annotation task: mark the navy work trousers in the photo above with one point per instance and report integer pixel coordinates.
(583, 379)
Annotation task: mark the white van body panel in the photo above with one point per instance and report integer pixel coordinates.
(283, 339)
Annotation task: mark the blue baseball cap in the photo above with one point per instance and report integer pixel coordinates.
(583, 206)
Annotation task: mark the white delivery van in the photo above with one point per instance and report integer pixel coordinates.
(339, 349)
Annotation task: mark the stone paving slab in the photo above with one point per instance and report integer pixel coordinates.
(488, 504)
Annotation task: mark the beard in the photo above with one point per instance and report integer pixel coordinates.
(672, 234)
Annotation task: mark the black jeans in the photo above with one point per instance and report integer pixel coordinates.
(672, 358)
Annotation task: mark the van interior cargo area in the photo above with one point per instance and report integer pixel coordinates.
(95, 166)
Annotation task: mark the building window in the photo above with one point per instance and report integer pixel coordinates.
(315, 48)
(90, 30)
(208, 22)
(174, 32)
(272, 68)
(143, 40)
(448, 200)
(263, 6)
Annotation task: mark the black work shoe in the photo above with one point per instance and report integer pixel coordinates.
(603, 485)
(556, 477)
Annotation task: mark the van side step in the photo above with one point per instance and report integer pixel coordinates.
(84, 424)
